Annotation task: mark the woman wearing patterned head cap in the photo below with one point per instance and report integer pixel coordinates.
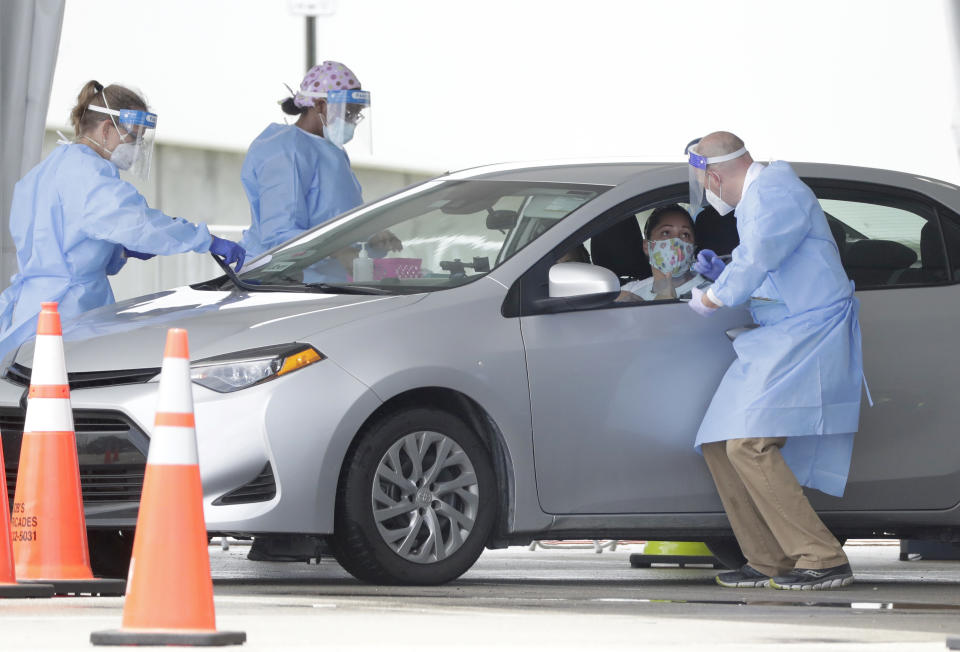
(298, 176)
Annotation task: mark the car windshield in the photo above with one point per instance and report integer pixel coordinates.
(435, 236)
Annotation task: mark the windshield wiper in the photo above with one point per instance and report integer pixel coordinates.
(249, 287)
(296, 286)
(338, 288)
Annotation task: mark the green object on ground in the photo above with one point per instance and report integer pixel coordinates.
(677, 548)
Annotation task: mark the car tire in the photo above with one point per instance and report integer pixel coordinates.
(110, 552)
(390, 527)
(727, 551)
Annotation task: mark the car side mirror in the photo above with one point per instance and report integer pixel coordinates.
(578, 286)
(581, 279)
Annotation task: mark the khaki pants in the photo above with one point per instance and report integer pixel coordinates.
(771, 517)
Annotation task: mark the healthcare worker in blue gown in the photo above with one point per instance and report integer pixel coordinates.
(787, 409)
(298, 176)
(74, 221)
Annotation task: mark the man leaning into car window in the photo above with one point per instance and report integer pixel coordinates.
(787, 409)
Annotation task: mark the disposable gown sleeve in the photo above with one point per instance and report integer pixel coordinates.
(768, 235)
(283, 202)
(114, 211)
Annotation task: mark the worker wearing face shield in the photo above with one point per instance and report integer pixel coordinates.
(785, 413)
(298, 176)
(74, 221)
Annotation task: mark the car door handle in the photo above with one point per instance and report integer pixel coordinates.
(734, 333)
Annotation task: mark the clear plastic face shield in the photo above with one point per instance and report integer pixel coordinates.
(699, 173)
(136, 130)
(348, 119)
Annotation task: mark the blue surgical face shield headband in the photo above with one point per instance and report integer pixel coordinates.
(347, 116)
(136, 130)
(698, 178)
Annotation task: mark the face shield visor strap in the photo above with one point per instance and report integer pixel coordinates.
(698, 174)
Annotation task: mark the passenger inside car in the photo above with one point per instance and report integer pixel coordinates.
(670, 247)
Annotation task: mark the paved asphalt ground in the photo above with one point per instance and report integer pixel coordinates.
(556, 599)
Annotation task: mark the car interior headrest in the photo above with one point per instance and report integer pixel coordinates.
(931, 249)
(619, 248)
(879, 254)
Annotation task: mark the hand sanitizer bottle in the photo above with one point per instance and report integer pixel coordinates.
(363, 266)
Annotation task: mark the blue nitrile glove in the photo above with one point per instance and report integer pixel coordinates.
(230, 251)
(709, 264)
(129, 253)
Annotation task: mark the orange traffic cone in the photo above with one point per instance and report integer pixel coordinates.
(8, 582)
(170, 591)
(49, 530)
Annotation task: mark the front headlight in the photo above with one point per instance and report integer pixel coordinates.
(234, 371)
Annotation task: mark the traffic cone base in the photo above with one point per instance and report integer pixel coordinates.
(147, 637)
(27, 590)
(97, 586)
(170, 591)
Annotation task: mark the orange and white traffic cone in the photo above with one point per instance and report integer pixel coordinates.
(169, 589)
(8, 581)
(49, 529)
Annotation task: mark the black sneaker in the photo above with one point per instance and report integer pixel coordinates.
(747, 577)
(814, 579)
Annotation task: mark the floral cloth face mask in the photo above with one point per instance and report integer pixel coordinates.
(671, 257)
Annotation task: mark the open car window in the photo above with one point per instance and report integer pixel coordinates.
(436, 236)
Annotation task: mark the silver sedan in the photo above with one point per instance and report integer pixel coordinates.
(425, 376)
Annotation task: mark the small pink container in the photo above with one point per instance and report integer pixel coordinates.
(396, 268)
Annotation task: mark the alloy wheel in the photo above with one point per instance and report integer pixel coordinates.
(425, 497)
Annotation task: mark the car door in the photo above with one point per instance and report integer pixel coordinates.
(617, 394)
(895, 246)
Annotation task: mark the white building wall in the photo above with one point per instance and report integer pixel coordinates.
(203, 185)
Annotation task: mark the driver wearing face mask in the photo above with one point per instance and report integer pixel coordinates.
(669, 245)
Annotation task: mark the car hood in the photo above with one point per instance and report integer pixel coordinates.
(131, 334)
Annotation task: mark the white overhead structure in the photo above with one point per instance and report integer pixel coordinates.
(29, 39)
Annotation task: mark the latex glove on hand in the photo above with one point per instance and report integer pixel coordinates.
(230, 251)
(709, 264)
(129, 253)
(697, 305)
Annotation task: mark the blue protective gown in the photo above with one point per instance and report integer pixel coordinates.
(70, 219)
(294, 181)
(799, 374)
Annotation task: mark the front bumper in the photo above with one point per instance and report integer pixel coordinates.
(269, 455)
